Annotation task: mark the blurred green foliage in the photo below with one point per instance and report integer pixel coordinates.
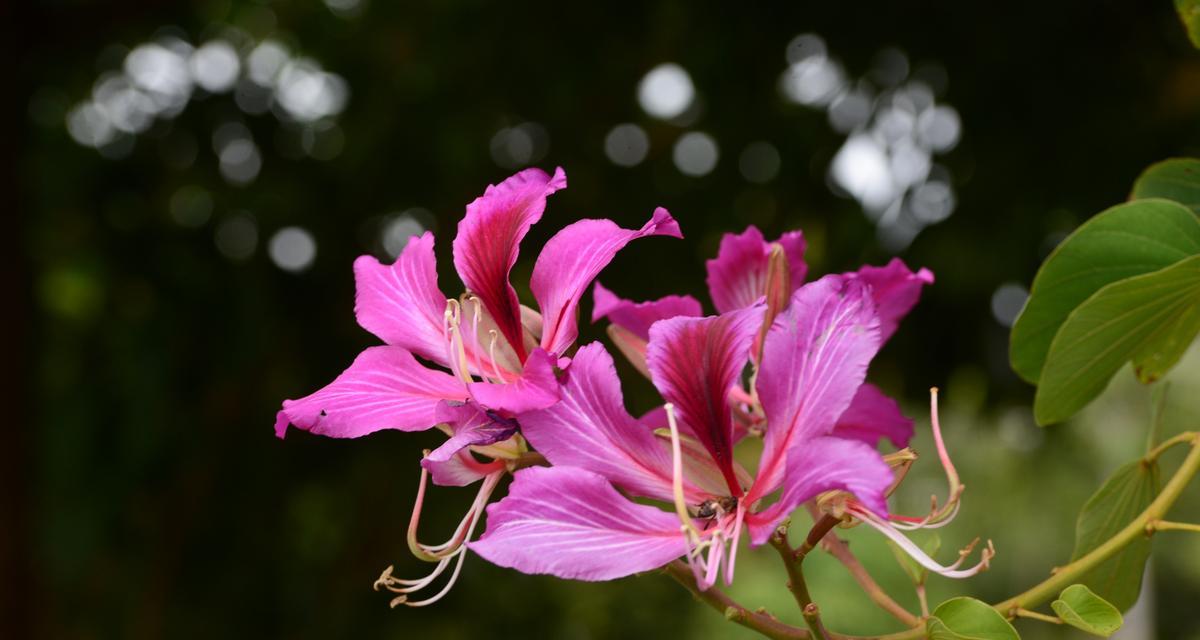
(155, 500)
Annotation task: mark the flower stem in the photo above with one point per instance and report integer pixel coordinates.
(1034, 615)
(1164, 525)
(1185, 437)
(791, 562)
(1148, 522)
(758, 621)
(1069, 574)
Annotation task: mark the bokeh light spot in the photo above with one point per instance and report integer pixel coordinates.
(292, 249)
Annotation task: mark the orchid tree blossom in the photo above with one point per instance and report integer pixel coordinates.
(578, 518)
(468, 364)
(748, 270)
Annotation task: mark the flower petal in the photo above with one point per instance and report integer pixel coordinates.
(472, 425)
(401, 303)
(385, 388)
(826, 464)
(871, 417)
(460, 470)
(695, 362)
(815, 358)
(638, 316)
(537, 388)
(591, 430)
(737, 277)
(485, 249)
(569, 263)
(895, 289)
(573, 524)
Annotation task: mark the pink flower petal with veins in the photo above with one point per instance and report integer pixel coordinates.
(737, 277)
(871, 417)
(537, 388)
(638, 316)
(591, 430)
(895, 289)
(572, 259)
(573, 524)
(472, 425)
(385, 388)
(825, 464)
(401, 303)
(814, 361)
(695, 362)
(460, 470)
(489, 236)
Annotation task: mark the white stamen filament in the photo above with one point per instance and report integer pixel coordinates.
(495, 337)
(456, 354)
(920, 556)
(443, 553)
(681, 509)
(733, 544)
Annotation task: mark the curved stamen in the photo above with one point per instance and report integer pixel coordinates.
(495, 337)
(943, 516)
(920, 556)
(456, 354)
(443, 553)
(434, 553)
(685, 518)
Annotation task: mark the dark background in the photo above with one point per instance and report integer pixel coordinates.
(145, 494)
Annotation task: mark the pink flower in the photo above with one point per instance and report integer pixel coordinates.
(749, 270)
(571, 521)
(493, 357)
(484, 357)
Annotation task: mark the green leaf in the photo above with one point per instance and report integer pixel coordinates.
(1082, 609)
(1122, 498)
(1149, 319)
(968, 619)
(1121, 242)
(1177, 179)
(1189, 14)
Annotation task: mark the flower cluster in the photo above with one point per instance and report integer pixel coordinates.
(783, 361)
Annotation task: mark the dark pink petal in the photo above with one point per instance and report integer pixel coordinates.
(895, 289)
(638, 316)
(485, 249)
(871, 417)
(460, 470)
(537, 388)
(695, 362)
(572, 523)
(472, 425)
(385, 388)
(590, 429)
(737, 277)
(815, 358)
(826, 464)
(401, 303)
(569, 263)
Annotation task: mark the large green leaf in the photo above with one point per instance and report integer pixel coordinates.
(1082, 609)
(1126, 240)
(1189, 13)
(1177, 179)
(1118, 502)
(968, 619)
(1148, 319)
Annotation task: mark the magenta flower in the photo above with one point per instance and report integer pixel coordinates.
(487, 348)
(747, 270)
(573, 521)
(484, 357)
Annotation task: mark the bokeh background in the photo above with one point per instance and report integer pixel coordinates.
(193, 180)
